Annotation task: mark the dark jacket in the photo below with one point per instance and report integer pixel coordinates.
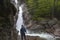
(22, 30)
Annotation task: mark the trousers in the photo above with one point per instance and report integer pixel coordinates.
(23, 36)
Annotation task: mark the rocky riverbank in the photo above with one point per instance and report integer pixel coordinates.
(32, 38)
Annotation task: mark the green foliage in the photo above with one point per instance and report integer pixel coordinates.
(42, 9)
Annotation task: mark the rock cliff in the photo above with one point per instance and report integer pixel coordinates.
(7, 12)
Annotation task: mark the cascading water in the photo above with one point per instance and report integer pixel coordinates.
(20, 19)
(20, 22)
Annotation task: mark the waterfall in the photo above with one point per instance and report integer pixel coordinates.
(20, 22)
(20, 19)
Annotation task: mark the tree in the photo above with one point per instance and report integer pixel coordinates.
(43, 9)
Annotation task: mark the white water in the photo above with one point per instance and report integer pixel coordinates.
(20, 19)
(20, 22)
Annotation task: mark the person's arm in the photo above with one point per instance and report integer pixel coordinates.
(25, 29)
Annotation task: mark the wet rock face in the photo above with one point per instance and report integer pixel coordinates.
(21, 2)
(7, 12)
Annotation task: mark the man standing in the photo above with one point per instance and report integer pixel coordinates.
(22, 31)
